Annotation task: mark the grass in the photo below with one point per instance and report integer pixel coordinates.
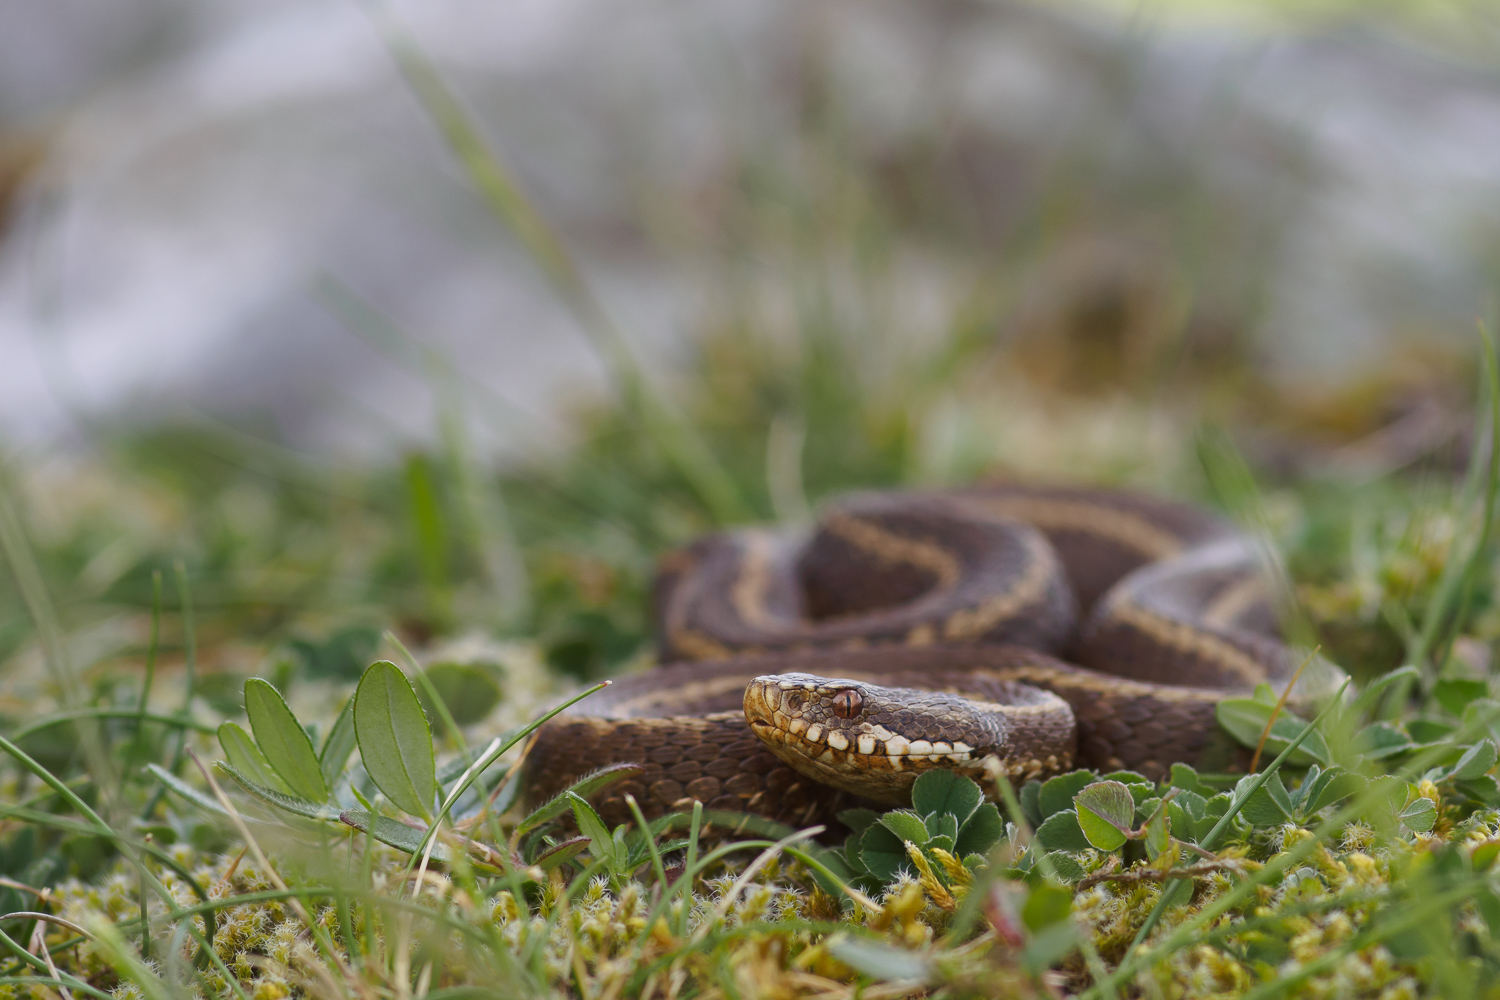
(150, 576)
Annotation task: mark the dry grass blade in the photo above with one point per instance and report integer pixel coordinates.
(39, 946)
(48, 917)
(1286, 693)
(11, 883)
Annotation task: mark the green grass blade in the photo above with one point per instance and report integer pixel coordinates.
(677, 438)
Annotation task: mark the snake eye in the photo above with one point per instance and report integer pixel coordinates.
(847, 703)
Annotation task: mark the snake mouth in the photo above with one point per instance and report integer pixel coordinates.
(875, 741)
(867, 739)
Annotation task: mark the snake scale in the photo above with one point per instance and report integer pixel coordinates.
(1044, 628)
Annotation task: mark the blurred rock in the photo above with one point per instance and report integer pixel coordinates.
(224, 186)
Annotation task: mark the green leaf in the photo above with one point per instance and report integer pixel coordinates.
(1180, 818)
(1245, 719)
(1484, 856)
(858, 820)
(1429, 730)
(1186, 778)
(1066, 867)
(560, 853)
(1046, 905)
(1488, 905)
(620, 859)
(1419, 815)
(1061, 832)
(1313, 776)
(881, 960)
(1380, 740)
(883, 853)
(591, 825)
(844, 866)
(585, 787)
(281, 800)
(469, 691)
(1191, 803)
(1483, 789)
(395, 740)
(339, 745)
(905, 824)
(1140, 793)
(185, 790)
(1216, 806)
(1031, 805)
(341, 656)
(1333, 785)
(1477, 760)
(247, 759)
(1050, 947)
(1129, 778)
(1481, 711)
(982, 832)
(1057, 793)
(945, 792)
(850, 853)
(1454, 694)
(941, 825)
(1101, 835)
(283, 741)
(1391, 792)
(640, 853)
(1105, 810)
(1269, 806)
(1158, 831)
(394, 833)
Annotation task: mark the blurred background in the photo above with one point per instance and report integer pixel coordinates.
(448, 317)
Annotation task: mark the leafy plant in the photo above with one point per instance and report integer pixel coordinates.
(942, 839)
(1259, 716)
(385, 720)
(624, 849)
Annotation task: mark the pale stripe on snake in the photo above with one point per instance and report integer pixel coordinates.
(930, 630)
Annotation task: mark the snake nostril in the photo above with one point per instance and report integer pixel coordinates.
(793, 701)
(847, 703)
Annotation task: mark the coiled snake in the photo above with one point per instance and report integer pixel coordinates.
(916, 630)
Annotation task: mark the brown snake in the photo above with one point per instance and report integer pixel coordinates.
(909, 631)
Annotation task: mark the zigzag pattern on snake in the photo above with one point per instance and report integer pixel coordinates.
(1041, 627)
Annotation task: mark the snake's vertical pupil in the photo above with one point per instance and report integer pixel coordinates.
(847, 703)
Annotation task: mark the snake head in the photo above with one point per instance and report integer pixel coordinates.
(874, 741)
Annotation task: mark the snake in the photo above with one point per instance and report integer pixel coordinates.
(1020, 628)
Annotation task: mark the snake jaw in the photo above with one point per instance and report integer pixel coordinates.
(870, 740)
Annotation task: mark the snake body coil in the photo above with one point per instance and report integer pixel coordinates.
(910, 631)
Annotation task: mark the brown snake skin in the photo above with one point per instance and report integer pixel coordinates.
(1159, 608)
